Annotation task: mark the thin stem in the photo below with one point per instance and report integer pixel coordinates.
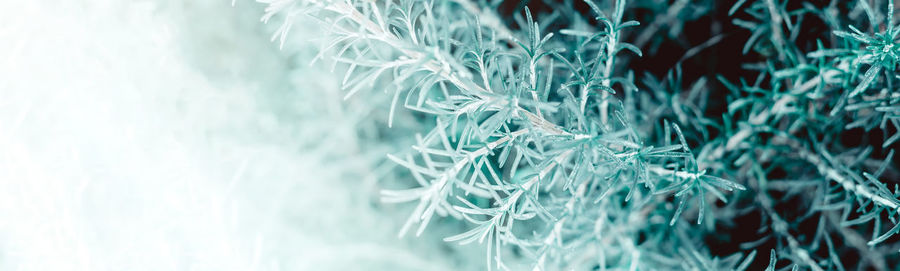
(847, 183)
(612, 41)
(780, 228)
(444, 70)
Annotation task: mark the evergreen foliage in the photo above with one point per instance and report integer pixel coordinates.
(639, 135)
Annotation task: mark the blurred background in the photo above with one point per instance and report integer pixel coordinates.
(174, 135)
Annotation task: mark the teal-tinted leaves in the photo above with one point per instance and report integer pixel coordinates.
(769, 19)
(629, 47)
(689, 181)
(772, 260)
(734, 8)
(563, 158)
(857, 35)
(866, 81)
(879, 49)
(627, 24)
(886, 235)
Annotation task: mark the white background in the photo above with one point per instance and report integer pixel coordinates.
(172, 135)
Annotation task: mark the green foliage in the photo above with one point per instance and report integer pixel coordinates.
(536, 132)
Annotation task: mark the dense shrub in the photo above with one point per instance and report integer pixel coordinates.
(649, 134)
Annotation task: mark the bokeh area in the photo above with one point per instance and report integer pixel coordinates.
(174, 135)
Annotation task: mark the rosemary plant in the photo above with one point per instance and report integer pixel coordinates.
(549, 136)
